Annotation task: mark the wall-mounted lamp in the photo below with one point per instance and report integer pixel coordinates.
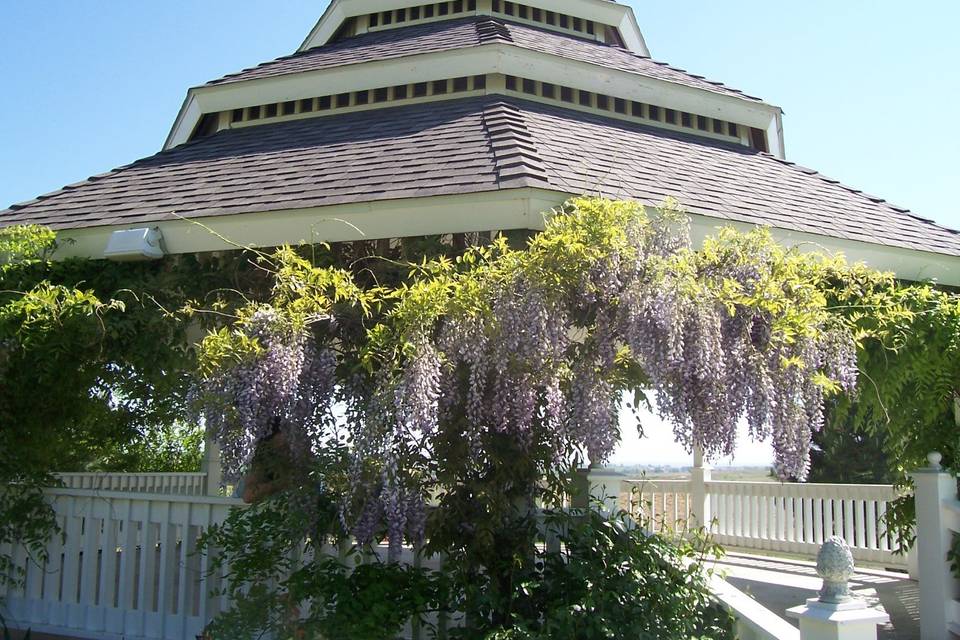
(135, 244)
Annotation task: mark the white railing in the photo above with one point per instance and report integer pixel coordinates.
(126, 567)
(771, 516)
(661, 505)
(799, 518)
(178, 484)
(753, 620)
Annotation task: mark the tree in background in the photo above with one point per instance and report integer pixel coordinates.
(843, 454)
(910, 364)
(94, 373)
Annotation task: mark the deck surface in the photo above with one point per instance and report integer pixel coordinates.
(782, 583)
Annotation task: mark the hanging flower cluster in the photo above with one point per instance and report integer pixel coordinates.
(537, 346)
(283, 382)
(729, 333)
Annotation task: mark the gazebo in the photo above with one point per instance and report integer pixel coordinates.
(461, 119)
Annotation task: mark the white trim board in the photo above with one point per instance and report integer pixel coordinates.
(601, 11)
(487, 211)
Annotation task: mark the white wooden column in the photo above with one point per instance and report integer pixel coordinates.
(700, 475)
(211, 466)
(938, 587)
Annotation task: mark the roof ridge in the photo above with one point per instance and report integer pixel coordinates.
(490, 29)
(515, 154)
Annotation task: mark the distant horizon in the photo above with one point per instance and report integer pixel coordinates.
(687, 464)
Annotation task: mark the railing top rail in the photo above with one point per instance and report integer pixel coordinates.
(815, 485)
(126, 474)
(157, 497)
(658, 486)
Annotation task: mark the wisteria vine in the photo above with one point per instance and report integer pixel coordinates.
(539, 345)
(284, 384)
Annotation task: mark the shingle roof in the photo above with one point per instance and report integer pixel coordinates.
(623, 160)
(475, 145)
(472, 32)
(424, 150)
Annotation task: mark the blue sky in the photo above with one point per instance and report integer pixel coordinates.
(870, 87)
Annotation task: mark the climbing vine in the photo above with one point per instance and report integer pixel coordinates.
(479, 383)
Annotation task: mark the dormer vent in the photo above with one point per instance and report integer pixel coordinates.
(558, 21)
(422, 13)
(553, 20)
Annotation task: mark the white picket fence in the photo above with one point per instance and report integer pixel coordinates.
(126, 568)
(772, 516)
(178, 484)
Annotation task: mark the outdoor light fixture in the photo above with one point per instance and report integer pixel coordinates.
(135, 244)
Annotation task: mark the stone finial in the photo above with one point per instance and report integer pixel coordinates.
(835, 566)
(935, 458)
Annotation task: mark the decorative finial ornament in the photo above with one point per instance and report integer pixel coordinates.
(934, 459)
(835, 566)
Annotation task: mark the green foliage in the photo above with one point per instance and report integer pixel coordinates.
(610, 579)
(953, 555)
(101, 343)
(844, 455)
(910, 377)
(25, 244)
(284, 584)
(607, 579)
(93, 373)
(25, 518)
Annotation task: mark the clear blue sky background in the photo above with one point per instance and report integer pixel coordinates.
(870, 88)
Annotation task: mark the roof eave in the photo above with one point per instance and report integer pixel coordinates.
(184, 124)
(504, 209)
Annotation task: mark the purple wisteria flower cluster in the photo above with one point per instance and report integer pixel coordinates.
(537, 347)
(287, 387)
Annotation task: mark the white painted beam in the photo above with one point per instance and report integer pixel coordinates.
(493, 210)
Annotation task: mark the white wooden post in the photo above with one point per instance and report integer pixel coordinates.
(606, 486)
(856, 622)
(211, 467)
(937, 585)
(700, 475)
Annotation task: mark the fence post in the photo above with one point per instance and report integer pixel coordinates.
(700, 475)
(606, 486)
(937, 585)
(580, 489)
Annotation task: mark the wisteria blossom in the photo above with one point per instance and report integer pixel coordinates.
(535, 348)
(286, 387)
